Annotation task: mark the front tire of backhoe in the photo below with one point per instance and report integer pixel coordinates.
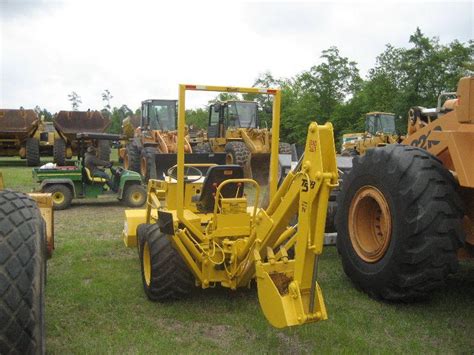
(165, 276)
(399, 223)
(22, 275)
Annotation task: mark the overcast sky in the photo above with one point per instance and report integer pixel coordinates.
(140, 50)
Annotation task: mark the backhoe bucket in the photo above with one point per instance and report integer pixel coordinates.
(282, 301)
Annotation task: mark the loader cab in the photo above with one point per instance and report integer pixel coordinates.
(159, 115)
(380, 122)
(231, 114)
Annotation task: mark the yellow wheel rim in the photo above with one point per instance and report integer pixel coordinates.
(136, 197)
(58, 197)
(147, 264)
(370, 224)
(229, 159)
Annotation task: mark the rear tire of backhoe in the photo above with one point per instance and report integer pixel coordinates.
(103, 150)
(59, 152)
(399, 223)
(165, 276)
(132, 161)
(142, 231)
(32, 152)
(22, 275)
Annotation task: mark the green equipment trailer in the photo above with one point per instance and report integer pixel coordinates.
(75, 181)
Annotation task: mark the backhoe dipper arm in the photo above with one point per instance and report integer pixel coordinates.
(288, 290)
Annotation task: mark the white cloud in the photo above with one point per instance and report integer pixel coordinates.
(141, 50)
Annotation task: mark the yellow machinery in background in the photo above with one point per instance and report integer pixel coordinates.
(200, 229)
(380, 130)
(235, 128)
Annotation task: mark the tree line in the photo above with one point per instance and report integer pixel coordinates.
(335, 91)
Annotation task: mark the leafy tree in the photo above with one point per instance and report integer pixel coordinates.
(197, 118)
(44, 113)
(75, 100)
(106, 97)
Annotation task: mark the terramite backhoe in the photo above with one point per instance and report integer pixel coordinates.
(200, 230)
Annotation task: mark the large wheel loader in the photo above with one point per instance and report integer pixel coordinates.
(17, 135)
(198, 228)
(26, 241)
(156, 139)
(234, 128)
(406, 211)
(68, 124)
(380, 130)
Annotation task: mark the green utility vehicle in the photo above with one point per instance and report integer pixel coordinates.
(76, 181)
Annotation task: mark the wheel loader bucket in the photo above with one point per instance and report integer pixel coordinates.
(259, 168)
(20, 123)
(282, 301)
(69, 123)
(163, 162)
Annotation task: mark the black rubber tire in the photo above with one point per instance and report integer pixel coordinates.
(32, 152)
(103, 150)
(61, 189)
(285, 148)
(148, 153)
(142, 231)
(22, 275)
(202, 148)
(133, 153)
(239, 152)
(59, 152)
(130, 190)
(170, 277)
(426, 214)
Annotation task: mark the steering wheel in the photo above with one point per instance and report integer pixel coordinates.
(116, 171)
(173, 172)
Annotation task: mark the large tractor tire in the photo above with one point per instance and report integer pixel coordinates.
(147, 163)
(132, 158)
(22, 275)
(142, 231)
(32, 152)
(134, 195)
(237, 153)
(61, 194)
(165, 276)
(399, 223)
(202, 148)
(103, 150)
(59, 152)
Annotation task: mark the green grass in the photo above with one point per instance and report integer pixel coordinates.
(95, 303)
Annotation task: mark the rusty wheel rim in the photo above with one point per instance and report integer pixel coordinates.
(370, 224)
(143, 166)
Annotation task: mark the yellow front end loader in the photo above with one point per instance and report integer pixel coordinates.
(199, 230)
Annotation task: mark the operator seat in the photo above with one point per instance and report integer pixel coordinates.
(214, 177)
(94, 179)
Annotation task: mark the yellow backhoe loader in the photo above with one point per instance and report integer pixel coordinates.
(198, 228)
(406, 211)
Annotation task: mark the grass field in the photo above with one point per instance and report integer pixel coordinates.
(95, 303)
